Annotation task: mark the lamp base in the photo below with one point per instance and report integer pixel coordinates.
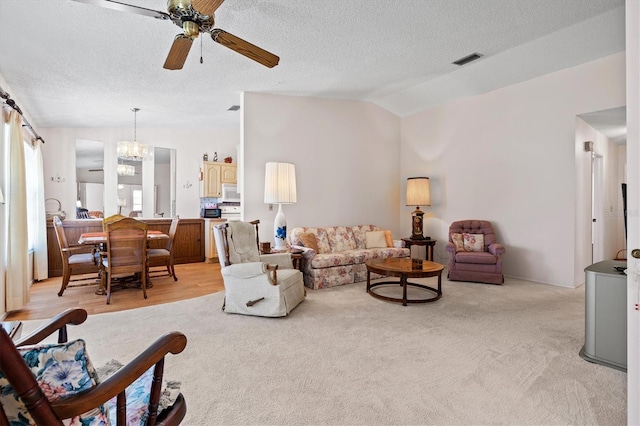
(280, 230)
(416, 224)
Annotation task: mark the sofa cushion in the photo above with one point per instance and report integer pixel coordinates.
(359, 234)
(473, 242)
(458, 242)
(328, 260)
(375, 239)
(341, 238)
(309, 240)
(388, 238)
(476, 257)
(321, 238)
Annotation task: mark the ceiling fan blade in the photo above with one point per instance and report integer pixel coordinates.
(178, 53)
(123, 7)
(206, 7)
(245, 48)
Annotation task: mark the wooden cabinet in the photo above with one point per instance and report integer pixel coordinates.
(210, 248)
(214, 174)
(228, 173)
(188, 244)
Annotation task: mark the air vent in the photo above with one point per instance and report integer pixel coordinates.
(234, 108)
(467, 59)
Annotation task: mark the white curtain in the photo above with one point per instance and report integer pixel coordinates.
(17, 286)
(40, 262)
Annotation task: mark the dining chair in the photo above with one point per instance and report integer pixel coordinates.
(75, 260)
(126, 252)
(111, 219)
(164, 256)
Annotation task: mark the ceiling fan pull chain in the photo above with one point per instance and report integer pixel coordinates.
(201, 50)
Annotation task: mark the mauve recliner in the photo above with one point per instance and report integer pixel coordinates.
(477, 266)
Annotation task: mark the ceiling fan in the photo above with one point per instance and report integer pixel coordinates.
(194, 17)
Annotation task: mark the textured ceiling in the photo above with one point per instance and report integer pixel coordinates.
(71, 64)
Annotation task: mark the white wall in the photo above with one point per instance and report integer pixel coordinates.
(508, 156)
(346, 155)
(191, 144)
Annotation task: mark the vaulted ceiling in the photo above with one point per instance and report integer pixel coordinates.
(72, 64)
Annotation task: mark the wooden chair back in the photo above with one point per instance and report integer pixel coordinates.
(110, 219)
(224, 231)
(172, 232)
(126, 246)
(62, 238)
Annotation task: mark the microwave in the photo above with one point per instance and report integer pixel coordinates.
(210, 213)
(230, 193)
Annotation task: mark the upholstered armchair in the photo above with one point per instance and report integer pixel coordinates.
(263, 285)
(474, 254)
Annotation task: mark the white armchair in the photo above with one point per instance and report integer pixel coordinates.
(263, 285)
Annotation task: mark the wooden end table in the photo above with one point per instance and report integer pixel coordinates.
(296, 256)
(408, 242)
(405, 268)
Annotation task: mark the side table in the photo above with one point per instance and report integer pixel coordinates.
(296, 256)
(408, 242)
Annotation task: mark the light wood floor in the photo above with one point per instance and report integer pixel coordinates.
(194, 280)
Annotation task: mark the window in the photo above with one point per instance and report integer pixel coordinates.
(137, 199)
(31, 174)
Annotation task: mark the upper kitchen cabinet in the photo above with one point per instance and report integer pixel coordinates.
(214, 174)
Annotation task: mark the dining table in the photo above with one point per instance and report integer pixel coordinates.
(100, 239)
(96, 238)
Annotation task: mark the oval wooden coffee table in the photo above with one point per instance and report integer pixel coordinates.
(404, 268)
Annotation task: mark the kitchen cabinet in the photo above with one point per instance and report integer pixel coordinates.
(211, 251)
(214, 174)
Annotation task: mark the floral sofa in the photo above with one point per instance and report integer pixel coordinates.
(342, 251)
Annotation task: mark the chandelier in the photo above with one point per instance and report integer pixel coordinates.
(126, 170)
(132, 151)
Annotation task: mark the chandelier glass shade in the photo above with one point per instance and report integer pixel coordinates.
(126, 170)
(132, 151)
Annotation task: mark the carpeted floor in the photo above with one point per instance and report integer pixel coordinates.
(481, 355)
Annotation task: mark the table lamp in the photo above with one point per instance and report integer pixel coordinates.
(418, 194)
(280, 188)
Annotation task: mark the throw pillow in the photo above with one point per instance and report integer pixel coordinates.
(138, 394)
(457, 241)
(387, 237)
(473, 242)
(375, 239)
(61, 370)
(309, 240)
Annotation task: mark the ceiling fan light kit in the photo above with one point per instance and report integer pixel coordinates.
(193, 17)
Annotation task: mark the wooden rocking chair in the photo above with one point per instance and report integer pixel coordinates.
(45, 412)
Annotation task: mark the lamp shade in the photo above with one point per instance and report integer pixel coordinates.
(418, 191)
(280, 183)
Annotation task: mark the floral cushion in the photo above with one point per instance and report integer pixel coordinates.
(473, 242)
(138, 394)
(457, 241)
(61, 370)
